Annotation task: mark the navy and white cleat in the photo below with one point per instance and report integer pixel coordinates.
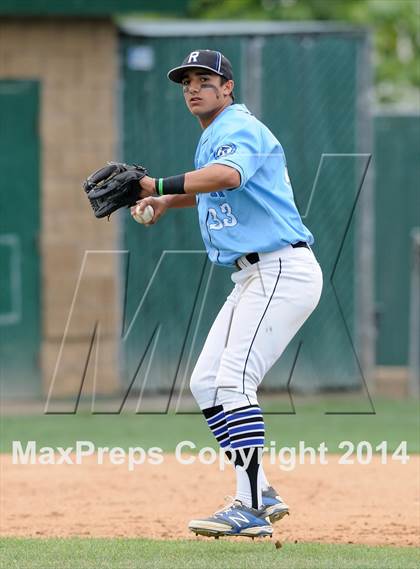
(236, 520)
(274, 507)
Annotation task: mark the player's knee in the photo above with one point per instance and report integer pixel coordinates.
(239, 367)
(195, 384)
(201, 387)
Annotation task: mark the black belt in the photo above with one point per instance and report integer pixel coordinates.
(253, 258)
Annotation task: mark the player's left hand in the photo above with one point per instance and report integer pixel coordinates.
(114, 186)
(147, 187)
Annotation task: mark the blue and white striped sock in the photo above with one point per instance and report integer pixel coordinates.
(246, 432)
(245, 427)
(216, 420)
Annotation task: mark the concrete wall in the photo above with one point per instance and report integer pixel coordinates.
(76, 63)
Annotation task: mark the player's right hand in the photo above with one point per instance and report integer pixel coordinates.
(159, 206)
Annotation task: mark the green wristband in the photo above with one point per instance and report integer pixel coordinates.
(159, 186)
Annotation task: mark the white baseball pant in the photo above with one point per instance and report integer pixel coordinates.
(268, 305)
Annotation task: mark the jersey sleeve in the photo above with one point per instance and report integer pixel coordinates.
(242, 149)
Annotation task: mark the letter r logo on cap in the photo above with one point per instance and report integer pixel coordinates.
(193, 56)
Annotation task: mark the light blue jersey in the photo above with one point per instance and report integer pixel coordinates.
(260, 215)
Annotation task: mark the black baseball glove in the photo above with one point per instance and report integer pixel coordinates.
(114, 186)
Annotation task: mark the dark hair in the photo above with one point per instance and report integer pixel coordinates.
(223, 80)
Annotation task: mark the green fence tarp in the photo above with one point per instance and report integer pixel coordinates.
(20, 310)
(397, 195)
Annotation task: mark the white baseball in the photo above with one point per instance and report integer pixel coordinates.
(144, 217)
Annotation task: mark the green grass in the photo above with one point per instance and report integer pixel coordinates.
(394, 421)
(223, 554)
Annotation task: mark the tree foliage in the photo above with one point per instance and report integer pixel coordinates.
(395, 25)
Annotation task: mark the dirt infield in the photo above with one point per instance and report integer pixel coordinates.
(370, 504)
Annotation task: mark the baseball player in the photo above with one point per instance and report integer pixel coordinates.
(248, 221)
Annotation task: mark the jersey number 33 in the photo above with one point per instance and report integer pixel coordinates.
(224, 219)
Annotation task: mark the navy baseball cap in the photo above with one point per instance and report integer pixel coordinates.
(213, 61)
